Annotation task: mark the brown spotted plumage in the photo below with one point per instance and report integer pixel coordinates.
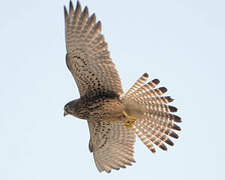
(114, 118)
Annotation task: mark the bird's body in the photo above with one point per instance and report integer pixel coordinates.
(97, 108)
(114, 117)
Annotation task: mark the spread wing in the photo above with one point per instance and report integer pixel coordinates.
(87, 56)
(112, 144)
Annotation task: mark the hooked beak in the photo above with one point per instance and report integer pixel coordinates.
(65, 113)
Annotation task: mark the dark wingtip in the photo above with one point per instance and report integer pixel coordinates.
(133, 160)
(174, 135)
(116, 168)
(177, 119)
(78, 5)
(152, 150)
(71, 7)
(176, 127)
(168, 141)
(99, 25)
(71, 3)
(108, 171)
(156, 81)
(172, 109)
(145, 75)
(93, 16)
(163, 147)
(65, 12)
(169, 99)
(85, 10)
(163, 89)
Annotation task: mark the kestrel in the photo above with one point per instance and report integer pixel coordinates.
(114, 117)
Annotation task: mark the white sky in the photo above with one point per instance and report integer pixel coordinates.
(180, 42)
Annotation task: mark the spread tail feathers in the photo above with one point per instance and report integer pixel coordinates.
(155, 121)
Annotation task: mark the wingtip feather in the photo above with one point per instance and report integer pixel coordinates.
(172, 109)
(71, 8)
(145, 75)
(99, 26)
(93, 16)
(78, 6)
(168, 141)
(65, 12)
(163, 89)
(156, 81)
(85, 11)
(169, 99)
(177, 119)
(163, 147)
(174, 135)
(176, 127)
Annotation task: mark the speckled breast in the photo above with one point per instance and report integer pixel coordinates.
(104, 109)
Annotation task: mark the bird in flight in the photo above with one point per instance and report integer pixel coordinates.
(114, 117)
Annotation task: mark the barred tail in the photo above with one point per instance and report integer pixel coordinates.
(157, 122)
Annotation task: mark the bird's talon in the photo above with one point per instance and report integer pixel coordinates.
(129, 120)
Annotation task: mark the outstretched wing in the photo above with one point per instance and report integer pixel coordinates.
(87, 56)
(112, 144)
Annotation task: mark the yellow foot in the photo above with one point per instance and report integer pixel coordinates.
(129, 120)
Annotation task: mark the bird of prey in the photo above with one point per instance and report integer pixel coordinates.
(114, 117)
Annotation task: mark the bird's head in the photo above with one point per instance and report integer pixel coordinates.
(67, 109)
(73, 108)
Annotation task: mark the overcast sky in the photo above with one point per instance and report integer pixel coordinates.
(180, 42)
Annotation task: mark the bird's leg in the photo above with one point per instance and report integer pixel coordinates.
(129, 120)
